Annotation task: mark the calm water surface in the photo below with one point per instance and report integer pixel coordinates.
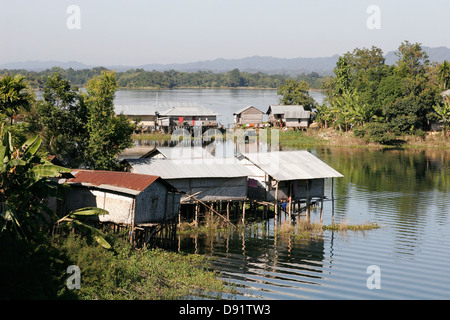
(222, 101)
(406, 192)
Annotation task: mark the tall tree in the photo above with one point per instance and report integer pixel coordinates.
(62, 114)
(443, 72)
(109, 134)
(296, 93)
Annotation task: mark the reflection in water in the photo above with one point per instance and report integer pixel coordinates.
(405, 192)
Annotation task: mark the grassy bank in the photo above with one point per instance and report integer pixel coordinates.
(38, 271)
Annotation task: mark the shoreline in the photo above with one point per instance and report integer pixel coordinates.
(328, 138)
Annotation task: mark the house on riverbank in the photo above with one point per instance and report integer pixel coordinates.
(146, 205)
(248, 116)
(131, 199)
(290, 116)
(144, 115)
(290, 177)
(184, 115)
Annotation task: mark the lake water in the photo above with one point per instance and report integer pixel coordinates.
(222, 101)
(406, 192)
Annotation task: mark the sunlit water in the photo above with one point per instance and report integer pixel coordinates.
(406, 192)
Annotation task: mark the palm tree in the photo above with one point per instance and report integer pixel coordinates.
(443, 71)
(14, 96)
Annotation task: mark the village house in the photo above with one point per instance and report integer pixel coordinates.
(248, 116)
(131, 199)
(290, 177)
(186, 115)
(146, 114)
(290, 116)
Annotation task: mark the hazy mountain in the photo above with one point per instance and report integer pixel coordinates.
(322, 65)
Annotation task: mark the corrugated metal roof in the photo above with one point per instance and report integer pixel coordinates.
(183, 109)
(135, 110)
(282, 109)
(292, 165)
(245, 108)
(190, 168)
(120, 181)
(181, 152)
(297, 114)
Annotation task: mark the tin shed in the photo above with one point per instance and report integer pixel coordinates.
(202, 179)
(248, 116)
(130, 199)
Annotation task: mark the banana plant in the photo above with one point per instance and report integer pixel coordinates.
(76, 217)
(24, 186)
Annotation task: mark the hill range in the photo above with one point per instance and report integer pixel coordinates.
(269, 65)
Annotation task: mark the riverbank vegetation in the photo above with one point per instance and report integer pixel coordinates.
(37, 245)
(142, 79)
(380, 103)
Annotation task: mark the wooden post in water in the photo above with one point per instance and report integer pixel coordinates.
(290, 201)
(332, 200)
(228, 211)
(197, 207)
(321, 200)
(308, 216)
(276, 206)
(243, 213)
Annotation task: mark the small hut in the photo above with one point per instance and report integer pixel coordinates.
(131, 199)
(291, 116)
(248, 116)
(207, 180)
(292, 177)
(146, 114)
(173, 115)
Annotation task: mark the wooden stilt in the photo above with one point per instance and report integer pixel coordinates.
(243, 213)
(321, 201)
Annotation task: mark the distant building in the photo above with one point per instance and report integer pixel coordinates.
(131, 199)
(173, 115)
(290, 116)
(248, 116)
(145, 113)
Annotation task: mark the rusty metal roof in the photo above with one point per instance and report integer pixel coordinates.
(107, 179)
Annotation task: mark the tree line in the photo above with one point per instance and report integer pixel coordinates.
(139, 78)
(380, 102)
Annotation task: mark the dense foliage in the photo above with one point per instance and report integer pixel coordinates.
(140, 78)
(380, 102)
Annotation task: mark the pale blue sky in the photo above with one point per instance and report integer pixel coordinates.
(134, 32)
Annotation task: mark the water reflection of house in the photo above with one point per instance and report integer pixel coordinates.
(291, 116)
(176, 115)
(248, 116)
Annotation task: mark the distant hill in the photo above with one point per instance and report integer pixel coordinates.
(269, 65)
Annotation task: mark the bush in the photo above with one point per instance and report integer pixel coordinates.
(375, 132)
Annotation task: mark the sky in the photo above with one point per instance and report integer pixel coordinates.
(137, 32)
